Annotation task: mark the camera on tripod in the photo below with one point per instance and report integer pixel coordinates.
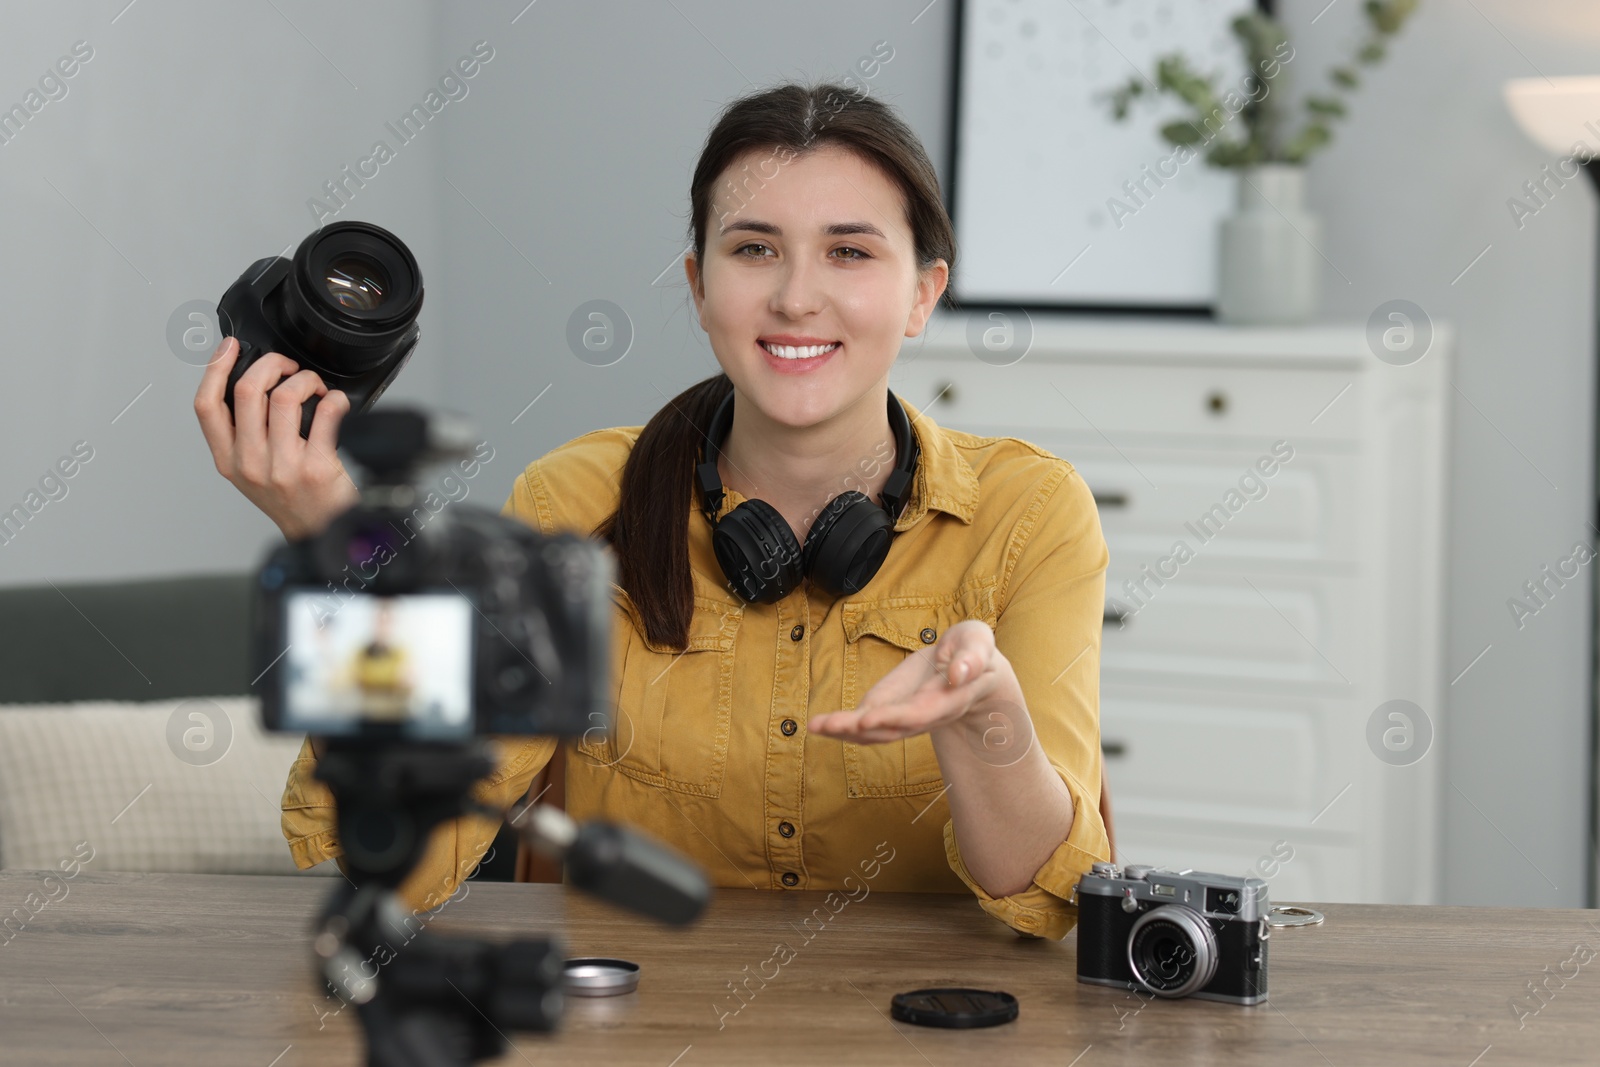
(396, 623)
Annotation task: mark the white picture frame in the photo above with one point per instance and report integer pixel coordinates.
(1056, 204)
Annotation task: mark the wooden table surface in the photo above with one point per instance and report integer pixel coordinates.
(175, 970)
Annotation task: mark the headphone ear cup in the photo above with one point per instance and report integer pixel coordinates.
(758, 552)
(847, 544)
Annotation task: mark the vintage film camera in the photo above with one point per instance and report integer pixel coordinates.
(1174, 933)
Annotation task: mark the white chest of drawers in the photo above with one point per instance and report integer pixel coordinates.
(1239, 676)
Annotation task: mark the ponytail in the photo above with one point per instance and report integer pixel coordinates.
(649, 531)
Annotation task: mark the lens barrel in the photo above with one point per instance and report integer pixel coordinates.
(1172, 951)
(352, 296)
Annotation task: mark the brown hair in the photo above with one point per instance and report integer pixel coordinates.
(649, 530)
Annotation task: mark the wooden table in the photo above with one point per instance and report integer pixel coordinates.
(175, 970)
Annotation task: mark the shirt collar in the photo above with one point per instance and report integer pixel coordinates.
(943, 481)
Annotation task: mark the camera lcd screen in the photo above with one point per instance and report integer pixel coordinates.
(399, 665)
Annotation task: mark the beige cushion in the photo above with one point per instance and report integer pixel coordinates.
(185, 785)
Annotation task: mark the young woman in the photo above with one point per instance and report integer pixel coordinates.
(787, 715)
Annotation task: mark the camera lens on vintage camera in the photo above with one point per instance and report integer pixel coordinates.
(1172, 951)
(345, 305)
(1174, 933)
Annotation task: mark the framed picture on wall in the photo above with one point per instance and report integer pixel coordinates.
(1058, 205)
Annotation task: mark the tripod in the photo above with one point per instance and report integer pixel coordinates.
(427, 1000)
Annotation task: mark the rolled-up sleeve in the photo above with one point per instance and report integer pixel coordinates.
(308, 813)
(1049, 625)
(1041, 910)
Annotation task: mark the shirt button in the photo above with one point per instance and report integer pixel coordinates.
(929, 635)
(790, 878)
(786, 829)
(788, 727)
(797, 633)
(1027, 922)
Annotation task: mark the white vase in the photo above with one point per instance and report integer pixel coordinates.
(1268, 263)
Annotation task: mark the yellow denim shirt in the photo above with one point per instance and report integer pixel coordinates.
(709, 750)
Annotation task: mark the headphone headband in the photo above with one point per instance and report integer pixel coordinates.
(896, 491)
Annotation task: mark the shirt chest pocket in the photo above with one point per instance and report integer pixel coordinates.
(879, 635)
(673, 708)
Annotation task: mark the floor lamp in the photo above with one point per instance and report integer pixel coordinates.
(1562, 116)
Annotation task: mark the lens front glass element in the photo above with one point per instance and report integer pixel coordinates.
(357, 283)
(1172, 951)
(1165, 955)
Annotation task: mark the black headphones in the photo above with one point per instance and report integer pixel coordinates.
(845, 546)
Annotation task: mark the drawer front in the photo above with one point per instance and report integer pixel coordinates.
(1231, 759)
(1297, 868)
(1232, 629)
(1219, 505)
(1027, 399)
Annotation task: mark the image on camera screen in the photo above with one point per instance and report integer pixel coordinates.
(379, 664)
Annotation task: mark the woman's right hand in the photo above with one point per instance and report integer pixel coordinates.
(300, 483)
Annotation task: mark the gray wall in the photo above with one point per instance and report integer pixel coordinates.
(190, 144)
(192, 140)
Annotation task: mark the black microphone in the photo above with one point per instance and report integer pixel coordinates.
(618, 865)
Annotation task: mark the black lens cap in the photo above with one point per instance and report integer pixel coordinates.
(957, 1009)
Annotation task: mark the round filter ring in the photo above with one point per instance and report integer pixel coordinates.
(599, 976)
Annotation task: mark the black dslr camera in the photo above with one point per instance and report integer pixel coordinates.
(344, 306)
(399, 623)
(1174, 933)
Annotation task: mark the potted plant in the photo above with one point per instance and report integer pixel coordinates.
(1268, 249)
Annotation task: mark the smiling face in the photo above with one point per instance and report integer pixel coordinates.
(810, 282)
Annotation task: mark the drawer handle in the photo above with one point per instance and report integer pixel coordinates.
(1114, 614)
(1113, 749)
(946, 393)
(1112, 499)
(1217, 402)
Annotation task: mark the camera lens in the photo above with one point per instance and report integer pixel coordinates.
(356, 282)
(352, 297)
(1172, 951)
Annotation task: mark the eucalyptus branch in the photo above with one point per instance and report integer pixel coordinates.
(1384, 19)
(1265, 43)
